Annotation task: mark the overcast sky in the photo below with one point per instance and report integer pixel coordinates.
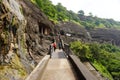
(100, 8)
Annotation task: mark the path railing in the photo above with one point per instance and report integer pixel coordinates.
(80, 69)
(36, 74)
(67, 49)
(82, 72)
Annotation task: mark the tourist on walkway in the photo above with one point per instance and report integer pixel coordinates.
(54, 44)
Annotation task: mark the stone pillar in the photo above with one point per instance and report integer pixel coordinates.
(42, 30)
(46, 31)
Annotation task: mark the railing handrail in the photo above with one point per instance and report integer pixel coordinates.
(81, 70)
(67, 49)
(38, 69)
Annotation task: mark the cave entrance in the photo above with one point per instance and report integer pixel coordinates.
(44, 30)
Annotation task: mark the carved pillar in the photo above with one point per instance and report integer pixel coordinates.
(46, 31)
(42, 30)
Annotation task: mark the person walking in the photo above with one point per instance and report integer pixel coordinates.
(54, 46)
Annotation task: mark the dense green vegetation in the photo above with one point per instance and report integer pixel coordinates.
(60, 13)
(105, 57)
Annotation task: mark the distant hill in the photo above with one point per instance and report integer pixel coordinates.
(111, 36)
(60, 13)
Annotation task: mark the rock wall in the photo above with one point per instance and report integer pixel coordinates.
(36, 41)
(111, 36)
(12, 41)
(72, 32)
(12, 29)
(21, 43)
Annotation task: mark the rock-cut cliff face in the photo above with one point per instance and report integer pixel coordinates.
(23, 38)
(37, 29)
(12, 41)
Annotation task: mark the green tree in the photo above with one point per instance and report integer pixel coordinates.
(90, 14)
(62, 12)
(73, 16)
(81, 15)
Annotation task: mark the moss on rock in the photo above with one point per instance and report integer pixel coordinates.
(14, 70)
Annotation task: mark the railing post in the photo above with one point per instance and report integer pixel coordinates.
(50, 51)
(66, 49)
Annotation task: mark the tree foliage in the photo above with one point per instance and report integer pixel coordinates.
(105, 55)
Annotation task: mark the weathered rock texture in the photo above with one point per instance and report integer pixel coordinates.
(24, 40)
(12, 41)
(111, 36)
(38, 27)
(77, 32)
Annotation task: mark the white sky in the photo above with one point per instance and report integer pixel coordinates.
(100, 8)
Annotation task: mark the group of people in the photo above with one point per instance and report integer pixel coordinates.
(58, 41)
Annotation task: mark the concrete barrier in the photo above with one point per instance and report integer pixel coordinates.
(36, 74)
(82, 72)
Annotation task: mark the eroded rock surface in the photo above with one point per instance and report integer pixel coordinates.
(24, 38)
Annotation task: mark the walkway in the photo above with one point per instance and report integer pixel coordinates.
(58, 68)
(58, 54)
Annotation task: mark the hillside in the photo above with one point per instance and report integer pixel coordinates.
(60, 13)
(111, 36)
(26, 27)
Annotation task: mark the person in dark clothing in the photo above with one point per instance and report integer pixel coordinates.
(54, 44)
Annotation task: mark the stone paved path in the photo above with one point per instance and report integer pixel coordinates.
(58, 54)
(58, 68)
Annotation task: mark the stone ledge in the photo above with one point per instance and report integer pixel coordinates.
(82, 72)
(38, 71)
